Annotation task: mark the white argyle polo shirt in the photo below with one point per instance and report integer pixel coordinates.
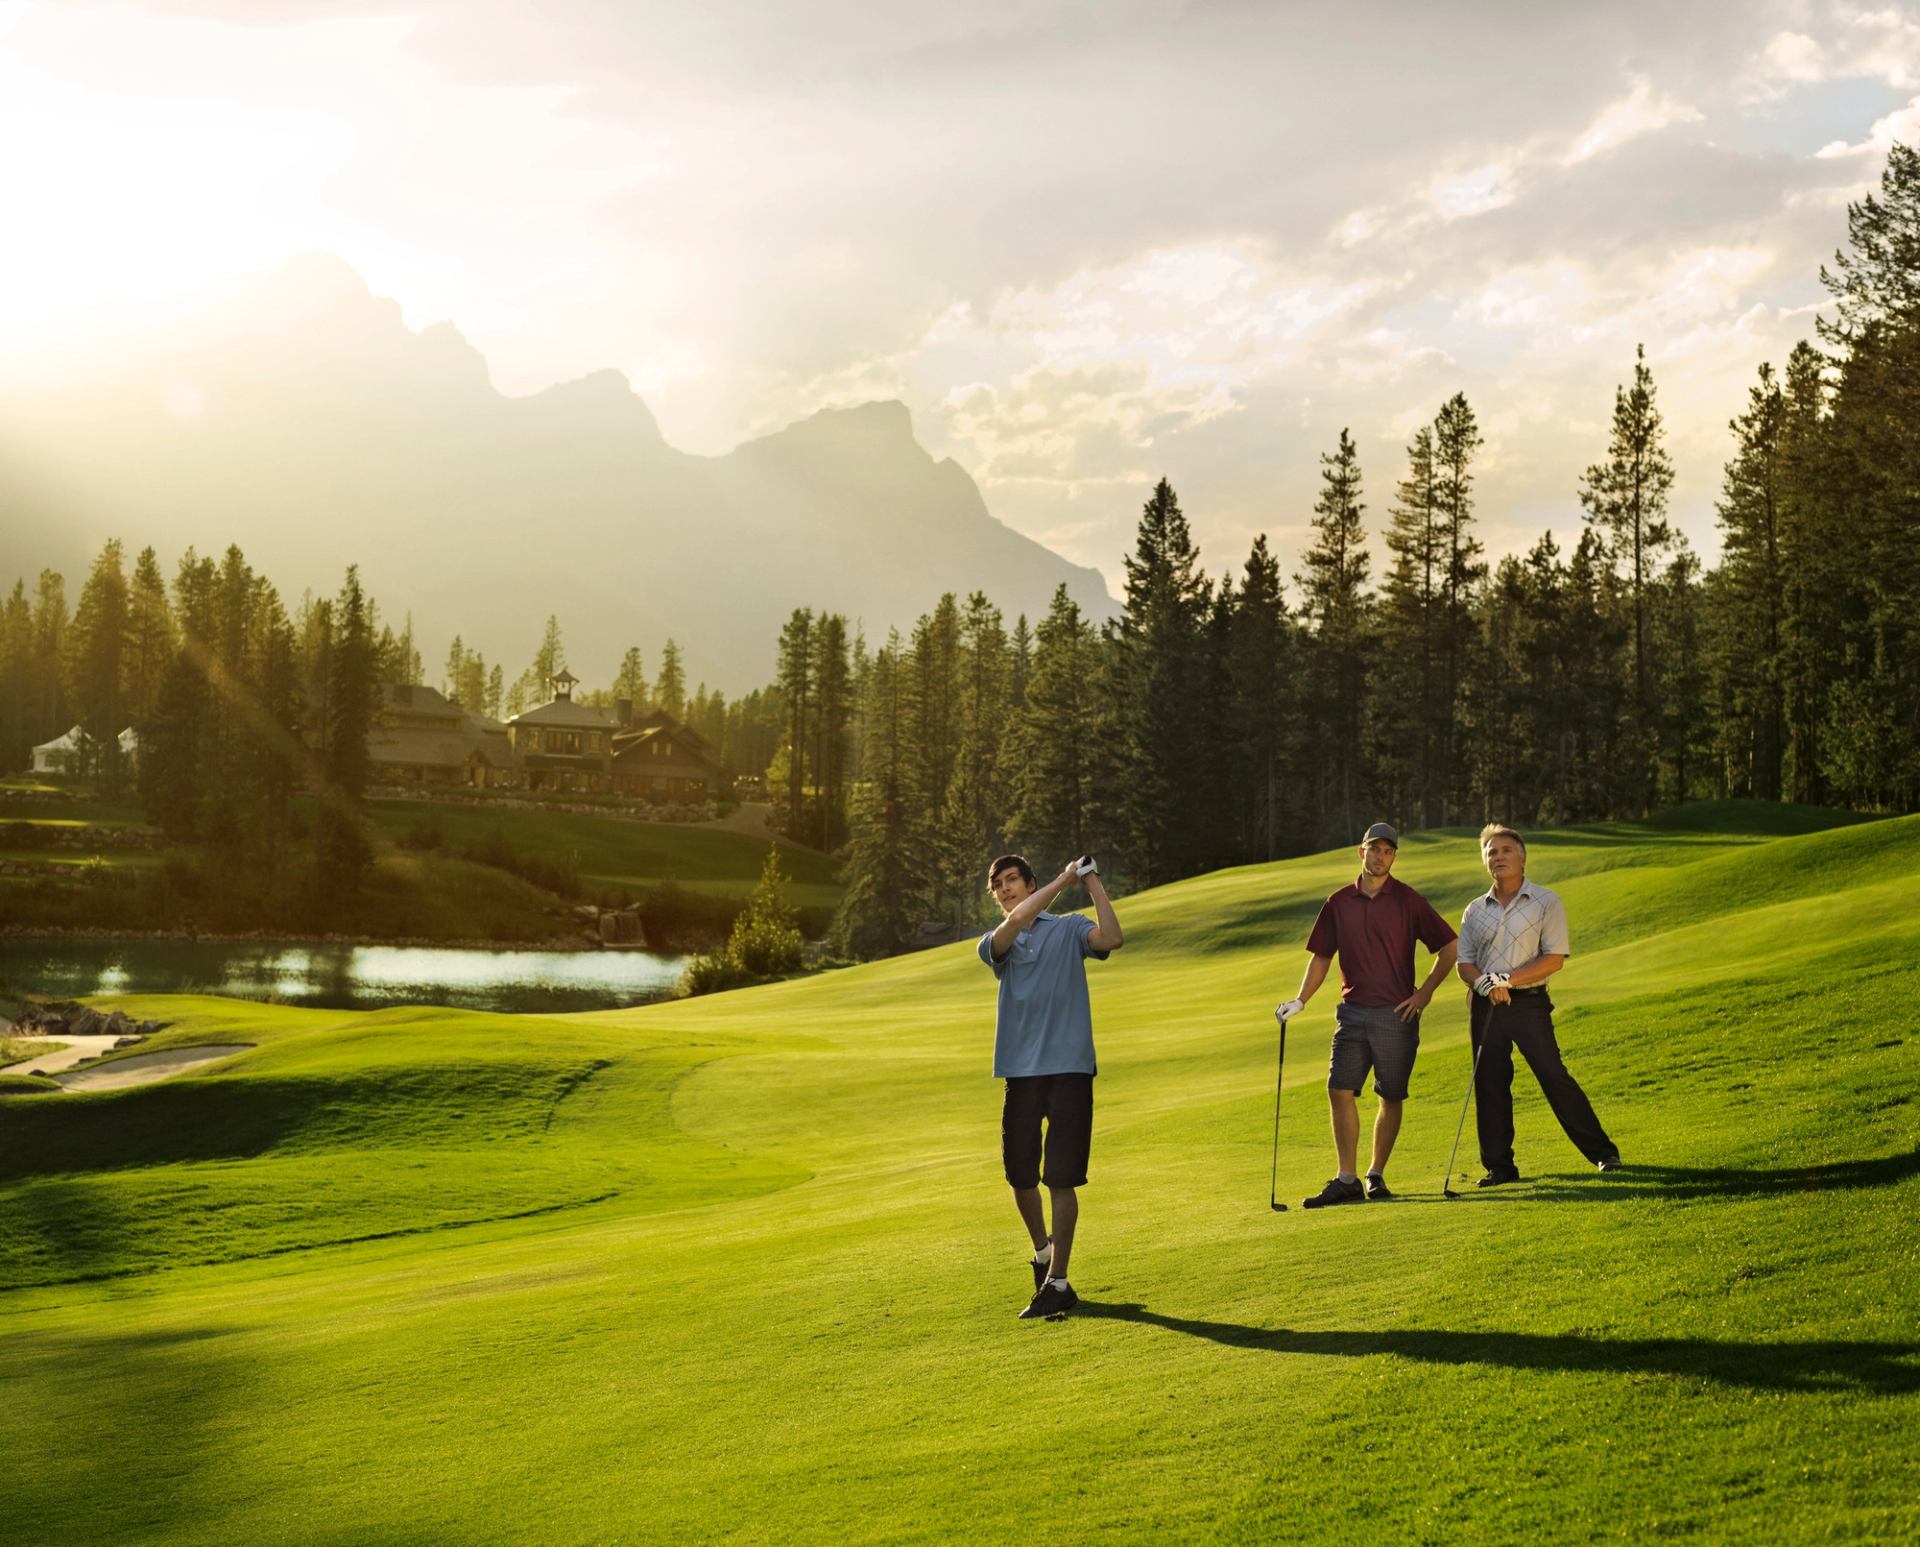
(1497, 939)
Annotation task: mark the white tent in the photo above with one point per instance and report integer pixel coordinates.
(58, 755)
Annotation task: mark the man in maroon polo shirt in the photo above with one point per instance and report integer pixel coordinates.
(1372, 926)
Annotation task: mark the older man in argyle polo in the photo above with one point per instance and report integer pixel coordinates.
(1512, 940)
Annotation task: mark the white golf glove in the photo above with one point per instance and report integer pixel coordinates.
(1286, 1012)
(1489, 981)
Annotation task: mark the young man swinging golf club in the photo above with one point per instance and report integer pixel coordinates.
(1372, 927)
(1043, 1049)
(1512, 940)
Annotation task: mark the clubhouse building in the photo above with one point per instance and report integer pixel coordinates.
(562, 747)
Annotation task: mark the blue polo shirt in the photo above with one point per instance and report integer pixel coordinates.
(1044, 1024)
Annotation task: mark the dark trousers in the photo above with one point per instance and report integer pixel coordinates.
(1526, 1023)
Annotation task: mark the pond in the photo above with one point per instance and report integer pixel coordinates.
(340, 977)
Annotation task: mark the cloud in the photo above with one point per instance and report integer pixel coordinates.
(1642, 111)
(1878, 43)
(1901, 126)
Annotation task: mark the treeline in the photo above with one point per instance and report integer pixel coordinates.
(1222, 721)
(235, 704)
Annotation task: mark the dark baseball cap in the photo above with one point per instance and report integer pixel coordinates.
(1383, 832)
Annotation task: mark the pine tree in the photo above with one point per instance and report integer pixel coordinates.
(16, 679)
(150, 638)
(630, 682)
(342, 848)
(670, 691)
(49, 713)
(1749, 597)
(454, 673)
(973, 819)
(796, 692)
(765, 942)
(1262, 699)
(935, 661)
(1050, 767)
(1456, 441)
(95, 665)
(1626, 496)
(1412, 619)
(1334, 599)
(1159, 661)
(831, 695)
(888, 888)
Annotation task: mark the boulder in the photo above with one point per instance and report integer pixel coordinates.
(621, 929)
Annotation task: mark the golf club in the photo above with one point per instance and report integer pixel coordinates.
(1280, 1079)
(1446, 1182)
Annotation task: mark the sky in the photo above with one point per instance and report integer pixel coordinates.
(1088, 244)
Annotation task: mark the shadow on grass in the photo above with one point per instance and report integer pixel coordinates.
(1637, 1181)
(155, 1401)
(1835, 1365)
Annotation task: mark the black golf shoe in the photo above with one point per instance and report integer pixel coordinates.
(1377, 1189)
(1337, 1191)
(1498, 1178)
(1053, 1299)
(1611, 1162)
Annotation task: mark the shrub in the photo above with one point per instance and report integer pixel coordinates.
(765, 942)
(423, 836)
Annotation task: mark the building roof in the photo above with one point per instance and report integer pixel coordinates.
(73, 741)
(565, 712)
(441, 747)
(688, 750)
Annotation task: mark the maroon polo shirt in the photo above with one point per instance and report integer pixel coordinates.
(1373, 937)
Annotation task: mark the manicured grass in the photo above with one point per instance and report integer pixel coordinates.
(743, 1267)
(617, 854)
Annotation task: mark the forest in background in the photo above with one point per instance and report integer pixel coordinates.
(1218, 720)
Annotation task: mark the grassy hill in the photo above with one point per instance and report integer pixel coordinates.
(434, 891)
(744, 1268)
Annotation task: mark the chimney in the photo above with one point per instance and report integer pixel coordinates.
(624, 708)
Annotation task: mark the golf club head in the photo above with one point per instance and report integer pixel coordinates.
(1448, 1192)
(1278, 1207)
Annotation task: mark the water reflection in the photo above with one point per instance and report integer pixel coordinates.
(342, 976)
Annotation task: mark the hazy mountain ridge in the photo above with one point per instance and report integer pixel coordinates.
(298, 416)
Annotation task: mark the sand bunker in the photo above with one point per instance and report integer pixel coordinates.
(146, 1068)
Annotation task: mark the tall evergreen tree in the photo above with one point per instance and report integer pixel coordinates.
(1338, 610)
(831, 693)
(1049, 766)
(95, 665)
(342, 848)
(1159, 658)
(1412, 621)
(630, 682)
(888, 885)
(796, 691)
(1456, 441)
(670, 691)
(150, 638)
(1749, 598)
(1262, 701)
(1626, 497)
(973, 818)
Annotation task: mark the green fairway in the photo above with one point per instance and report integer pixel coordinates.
(743, 1267)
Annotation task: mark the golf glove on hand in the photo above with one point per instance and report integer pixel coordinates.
(1489, 981)
(1286, 1012)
